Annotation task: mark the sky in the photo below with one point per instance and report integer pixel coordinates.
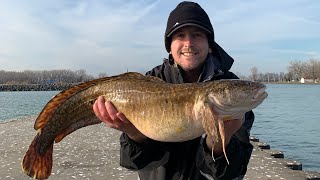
(115, 36)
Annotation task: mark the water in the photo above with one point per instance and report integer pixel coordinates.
(288, 119)
(16, 105)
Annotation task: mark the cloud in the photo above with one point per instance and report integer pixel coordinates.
(113, 36)
(260, 22)
(63, 34)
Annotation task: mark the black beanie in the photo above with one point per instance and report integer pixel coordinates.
(188, 13)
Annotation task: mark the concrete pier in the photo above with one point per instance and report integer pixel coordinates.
(93, 153)
(266, 163)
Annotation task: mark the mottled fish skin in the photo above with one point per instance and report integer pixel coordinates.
(161, 111)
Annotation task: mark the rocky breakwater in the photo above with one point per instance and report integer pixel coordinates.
(34, 87)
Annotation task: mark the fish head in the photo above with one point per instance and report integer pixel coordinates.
(235, 97)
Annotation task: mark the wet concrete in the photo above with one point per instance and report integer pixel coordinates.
(89, 153)
(93, 153)
(266, 163)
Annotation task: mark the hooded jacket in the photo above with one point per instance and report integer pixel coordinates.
(190, 159)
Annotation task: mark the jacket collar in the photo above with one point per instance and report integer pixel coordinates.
(225, 60)
(211, 68)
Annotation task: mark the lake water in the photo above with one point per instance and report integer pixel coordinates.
(16, 105)
(289, 119)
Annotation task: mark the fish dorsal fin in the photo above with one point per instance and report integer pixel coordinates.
(57, 100)
(136, 75)
(131, 75)
(155, 79)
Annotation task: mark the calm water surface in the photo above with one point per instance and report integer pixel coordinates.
(16, 105)
(289, 119)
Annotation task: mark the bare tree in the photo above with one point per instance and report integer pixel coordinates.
(43, 77)
(297, 69)
(313, 69)
(254, 73)
(101, 75)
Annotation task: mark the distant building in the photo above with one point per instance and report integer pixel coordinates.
(303, 80)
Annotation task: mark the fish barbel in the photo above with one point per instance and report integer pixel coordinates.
(161, 111)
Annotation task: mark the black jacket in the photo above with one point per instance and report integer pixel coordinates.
(191, 159)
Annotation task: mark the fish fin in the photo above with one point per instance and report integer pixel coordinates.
(142, 77)
(57, 100)
(35, 164)
(81, 123)
(131, 75)
(155, 79)
(209, 122)
(213, 125)
(223, 138)
(212, 155)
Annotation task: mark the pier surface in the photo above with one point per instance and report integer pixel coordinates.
(266, 163)
(93, 153)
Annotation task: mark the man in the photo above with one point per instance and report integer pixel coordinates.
(194, 56)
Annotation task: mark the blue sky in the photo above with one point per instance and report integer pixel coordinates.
(114, 36)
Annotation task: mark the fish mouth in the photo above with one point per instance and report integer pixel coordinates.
(261, 94)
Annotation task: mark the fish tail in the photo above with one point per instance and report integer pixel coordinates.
(223, 138)
(35, 164)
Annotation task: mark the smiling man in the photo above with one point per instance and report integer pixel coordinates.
(189, 49)
(194, 56)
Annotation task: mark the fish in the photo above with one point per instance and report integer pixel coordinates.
(161, 111)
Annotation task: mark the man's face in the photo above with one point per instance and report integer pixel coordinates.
(189, 47)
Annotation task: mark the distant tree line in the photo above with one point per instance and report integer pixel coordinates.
(44, 77)
(296, 70)
(307, 70)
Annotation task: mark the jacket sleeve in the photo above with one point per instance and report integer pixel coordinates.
(218, 168)
(238, 151)
(243, 136)
(137, 156)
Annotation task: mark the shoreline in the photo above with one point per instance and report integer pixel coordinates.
(60, 87)
(92, 152)
(35, 87)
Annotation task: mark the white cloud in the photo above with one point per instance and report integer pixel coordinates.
(111, 36)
